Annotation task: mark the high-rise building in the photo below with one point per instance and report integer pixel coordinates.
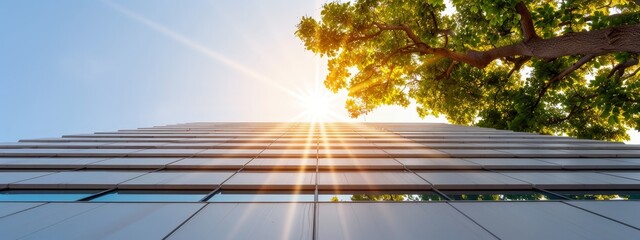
(318, 181)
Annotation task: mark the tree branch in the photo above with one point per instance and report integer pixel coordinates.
(619, 68)
(559, 120)
(573, 67)
(447, 73)
(526, 22)
(621, 38)
(414, 38)
(561, 75)
(517, 64)
(405, 49)
(365, 37)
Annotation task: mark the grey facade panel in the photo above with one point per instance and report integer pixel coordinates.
(78, 180)
(177, 180)
(249, 221)
(539, 220)
(8, 208)
(627, 212)
(98, 221)
(574, 180)
(395, 221)
(472, 180)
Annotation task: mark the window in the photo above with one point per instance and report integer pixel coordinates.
(151, 196)
(604, 195)
(500, 195)
(270, 196)
(368, 196)
(49, 195)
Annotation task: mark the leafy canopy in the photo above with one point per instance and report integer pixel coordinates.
(393, 52)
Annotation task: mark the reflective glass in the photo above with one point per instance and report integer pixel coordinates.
(499, 195)
(151, 196)
(362, 196)
(610, 195)
(270, 196)
(52, 195)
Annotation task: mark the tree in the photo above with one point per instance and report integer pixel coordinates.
(553, 67)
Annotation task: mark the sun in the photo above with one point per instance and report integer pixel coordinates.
(316, 106)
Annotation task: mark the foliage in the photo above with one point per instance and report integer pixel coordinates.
(395, 52)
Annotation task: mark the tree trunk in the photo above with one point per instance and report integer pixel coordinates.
(625, 38)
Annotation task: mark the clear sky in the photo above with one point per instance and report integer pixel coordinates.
(83, 66)
(79, 66)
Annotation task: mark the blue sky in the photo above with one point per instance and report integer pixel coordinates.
(83, 66)
(80, 66)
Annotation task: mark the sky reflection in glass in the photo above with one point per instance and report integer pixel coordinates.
(44, 195)
(151, 196)
(250, 196)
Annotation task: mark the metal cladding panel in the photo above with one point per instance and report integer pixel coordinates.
(543, 220)
(79, 179)
(472, 180)
(249, 221)
(177, 180)
(152, 162)
(25, 223)
(574, 180)
(513, 163)
(371, 180)
(358, 163)
(271, 180)
(209, 163)
(629, 175)
(282, 163)
(7, 208)
(11, 177)
(627, 212)
(34, 163)
(592, 163)
(98, 220)
(438, 163)
(395, 221)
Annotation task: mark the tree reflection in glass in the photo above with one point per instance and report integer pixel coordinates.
(499, 196)
(602, 195)
(381, 197)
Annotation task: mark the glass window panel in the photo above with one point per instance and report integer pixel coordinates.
(151, 196)
(51, 195)
(270, 196)
(605, 195)
(499, 195)
(366, 196)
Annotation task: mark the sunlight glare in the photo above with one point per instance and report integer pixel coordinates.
(316, 106)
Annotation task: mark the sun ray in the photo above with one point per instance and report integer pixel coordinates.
(197, 47)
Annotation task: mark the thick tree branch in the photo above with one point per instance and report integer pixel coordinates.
(526, 22)
(573, 67)
(619, 68)
(633, 73)
(622, 38)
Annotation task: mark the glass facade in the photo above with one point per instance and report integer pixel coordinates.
(318, 181)
(151, 196)
(500, 196)
(269, 196)
(44, 195)
(367, 196)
